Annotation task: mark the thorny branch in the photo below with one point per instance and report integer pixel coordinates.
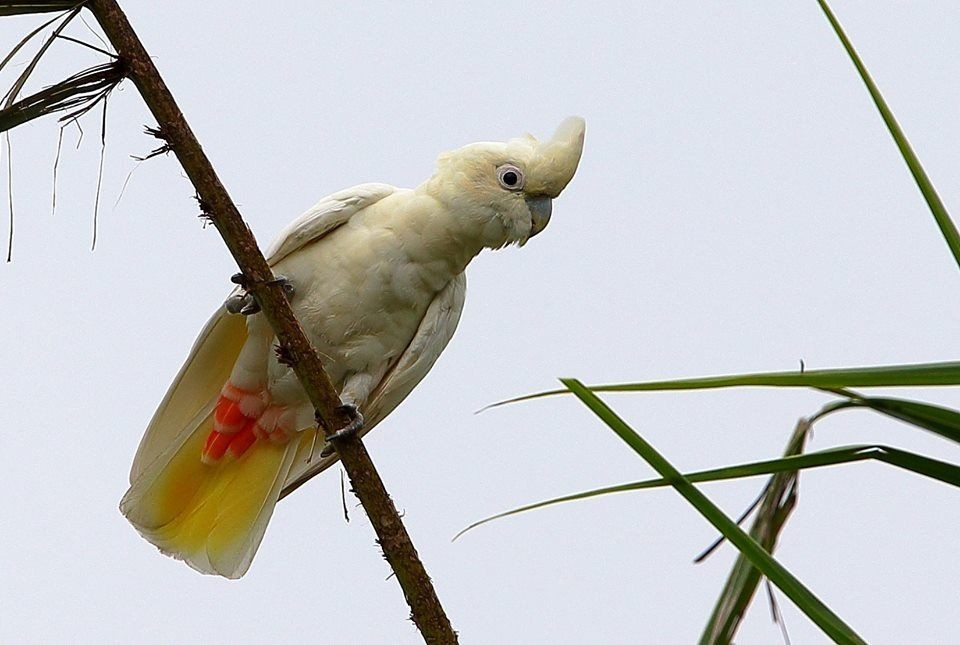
(216, 204)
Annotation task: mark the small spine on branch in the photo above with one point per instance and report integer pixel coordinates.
(163, 149)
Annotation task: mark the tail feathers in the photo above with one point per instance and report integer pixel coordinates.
(211, 516)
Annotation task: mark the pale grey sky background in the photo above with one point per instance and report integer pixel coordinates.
(739, 207)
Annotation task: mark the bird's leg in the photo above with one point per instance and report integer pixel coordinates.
(245, 303)
(328, 450)
(354, 425)
(356, 388)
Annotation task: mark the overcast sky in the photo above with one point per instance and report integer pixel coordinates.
(739, 207)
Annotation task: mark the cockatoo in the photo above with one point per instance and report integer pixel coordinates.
(376, 277)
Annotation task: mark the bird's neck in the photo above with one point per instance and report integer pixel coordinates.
(463, 226)
(439, 241)
(430, 243)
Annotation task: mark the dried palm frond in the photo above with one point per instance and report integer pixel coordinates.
(12, 7)
(79, 93)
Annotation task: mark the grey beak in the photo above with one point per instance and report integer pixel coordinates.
(540, 210)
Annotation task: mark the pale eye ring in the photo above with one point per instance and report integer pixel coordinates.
(510, 177)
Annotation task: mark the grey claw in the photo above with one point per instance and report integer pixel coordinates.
(352, 428)
(235, 303)
(284, 282)
(244, 303)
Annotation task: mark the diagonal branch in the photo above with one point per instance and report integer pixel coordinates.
(426, 610)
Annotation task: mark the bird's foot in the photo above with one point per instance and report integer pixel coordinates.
(242, 303)
(245, 303)
(354, 425)
(328, 450)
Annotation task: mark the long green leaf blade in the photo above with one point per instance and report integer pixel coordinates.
(943, 471)
(947, 227)
(910, 375)
(946, 472)
(818, 612)
(937, 419)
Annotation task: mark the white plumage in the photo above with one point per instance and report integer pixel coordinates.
(378, 278)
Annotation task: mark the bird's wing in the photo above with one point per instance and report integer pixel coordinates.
(193, 391)
(207, 368)
(326, 215)
(435, 331)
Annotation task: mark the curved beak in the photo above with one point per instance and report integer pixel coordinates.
(540, 210)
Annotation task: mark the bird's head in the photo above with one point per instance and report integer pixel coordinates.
(505, 190)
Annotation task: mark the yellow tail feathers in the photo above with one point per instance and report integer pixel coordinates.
(210, 516)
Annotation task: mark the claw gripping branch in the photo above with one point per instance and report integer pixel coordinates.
(426, 610)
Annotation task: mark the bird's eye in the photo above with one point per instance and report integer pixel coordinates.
(510, 177)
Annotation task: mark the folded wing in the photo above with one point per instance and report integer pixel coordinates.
(435, 331)
(208, 365)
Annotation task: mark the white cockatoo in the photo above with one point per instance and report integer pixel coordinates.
(376, 277)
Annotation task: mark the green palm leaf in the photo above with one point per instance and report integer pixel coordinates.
(910, 375)
(939, 211)
(805, 600)
(933, 468)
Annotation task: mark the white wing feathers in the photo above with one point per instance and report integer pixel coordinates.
(208, 366)
(435, 331)
(196, 387)
(326, 215)
(192, 394)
